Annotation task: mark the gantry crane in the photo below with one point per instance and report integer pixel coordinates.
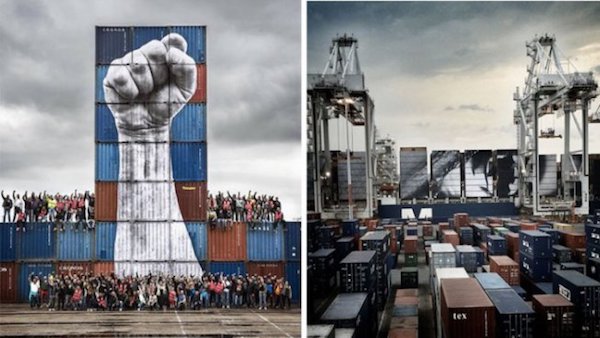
(549, 89)
(386, 167)
(338, 92)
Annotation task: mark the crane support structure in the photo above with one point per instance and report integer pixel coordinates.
(549, 89)
(338, 92)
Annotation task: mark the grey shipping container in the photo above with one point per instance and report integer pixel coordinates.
(351, 310)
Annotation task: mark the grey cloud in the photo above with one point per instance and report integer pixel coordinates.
(475, 107)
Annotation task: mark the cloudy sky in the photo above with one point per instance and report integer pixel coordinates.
(443, 74)
(47, 91)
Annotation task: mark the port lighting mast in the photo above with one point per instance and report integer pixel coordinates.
(338, 92)
(549, 89)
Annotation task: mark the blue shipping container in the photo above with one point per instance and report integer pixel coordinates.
(189, 125)
(25, 270)
(292, 275)
(8, 242)
(101, 72)
(490, 281)
(496, 245)
(106, 233)
(535, 243)
(189, 161)
(592, 234)
(350, 227)
(554, 235)
(228, 268)
(592, 251)
(538, 269)
(106, 129)
(112, 43)
(198, 235)
(514, 318)
(107, 161)
(38, 242)
(75, 245)
(265, 243)
(293, 239)
(143, 35)
(195, 36)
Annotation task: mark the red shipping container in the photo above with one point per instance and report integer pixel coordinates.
(200, 94)
(461, 220)
(8, 282)
(410, 244)
(528, 226)
(372, 224)
(393, 239)
(554, 316)
(105, 268)
(105, 209)
(507, 268)
(403, 333)
(79, 268)
(266, 268)
(227, 244)
(512, 241)
(411, 322)
(427, 230)
(466, 310)
(450, 236)
(572, 240)
(192, 200)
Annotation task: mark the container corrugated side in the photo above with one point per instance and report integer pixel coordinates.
(228, 244)
(196, 40)
(37, 243)
(198, 235)
(8, 242)
(293, 240)
(189, 125)
(189, 161)
(292, 275)
(228, 268)
(201, 89)
(25, 270)
(265, 243)
(105, 241)
(105, 127)
(145, 34)
(131, 268)
(112, 43)
(266, 268)
(8, 281)
(73, 267)
(106, 201)
(191, 197)
(75, 245)
(104, 268)
(107, 162)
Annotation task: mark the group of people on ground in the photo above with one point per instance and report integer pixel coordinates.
(77, 208)
(158, 292)
(252, 209)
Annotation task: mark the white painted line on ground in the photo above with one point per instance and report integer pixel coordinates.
(268, 321)
(180, 323)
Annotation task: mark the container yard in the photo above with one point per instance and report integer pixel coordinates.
(459, 231)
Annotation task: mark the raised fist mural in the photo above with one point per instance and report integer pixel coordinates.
(145, 89)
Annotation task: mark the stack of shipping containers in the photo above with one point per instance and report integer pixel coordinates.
(116, 172)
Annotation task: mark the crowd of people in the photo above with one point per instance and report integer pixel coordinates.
(77, 208)
(158, 292)
(255, 210)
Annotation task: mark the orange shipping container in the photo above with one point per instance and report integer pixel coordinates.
(227, 244)
(200, 94)
(79, 268)
(507, 268)
(410, 244)
(427, 230)
(573, 240)
(192, 200)
(512, 241)
(8, 283)
(266, 268)
(461, 220)
(529, 226)
(104, 268)
(106, 201)
(393, 239)
(450, 236)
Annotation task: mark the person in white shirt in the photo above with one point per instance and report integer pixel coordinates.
(34, 288)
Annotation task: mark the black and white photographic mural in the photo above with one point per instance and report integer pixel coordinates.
(479, 173)
(151, 140)
(548, 181)
(445, 174)
(507, 174)
(414, 182)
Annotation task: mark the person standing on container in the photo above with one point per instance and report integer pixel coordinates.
(34, 288)
(19, 205)
(7, 205)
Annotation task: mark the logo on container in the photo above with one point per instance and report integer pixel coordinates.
(563, 291)
(459, 316)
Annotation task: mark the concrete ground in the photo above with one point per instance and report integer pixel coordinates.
(20, 320)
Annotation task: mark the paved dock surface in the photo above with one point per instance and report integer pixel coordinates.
(20, 320)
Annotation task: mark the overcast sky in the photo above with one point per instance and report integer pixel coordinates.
(443, 74)
(47, 91)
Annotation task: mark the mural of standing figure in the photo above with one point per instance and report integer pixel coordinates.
(145, 89)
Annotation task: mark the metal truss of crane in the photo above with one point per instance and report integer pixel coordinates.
(386, 167)
(549, 89)
(338, 92)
